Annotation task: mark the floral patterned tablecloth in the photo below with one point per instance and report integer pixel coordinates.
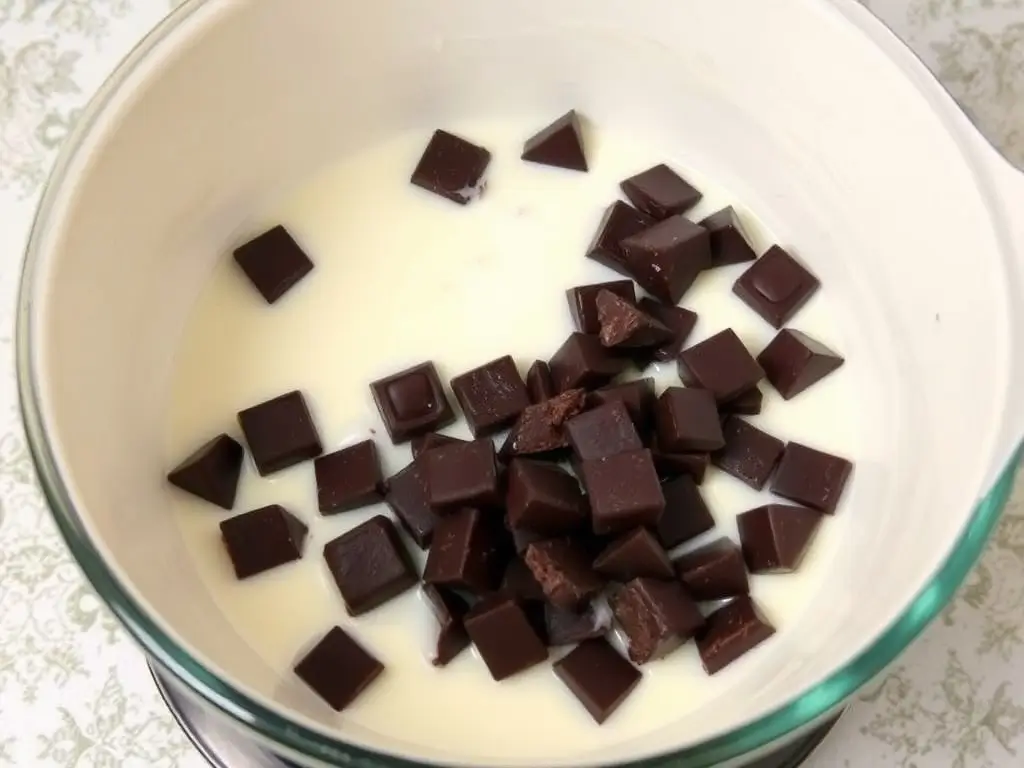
(75, 693)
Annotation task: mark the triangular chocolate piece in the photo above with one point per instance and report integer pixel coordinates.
(732, 631)
(713, 572)
(660, 192)
(560, 144)
(793, 361)
(634, 555)
(625, 326)
(449, 609)
(211, 473)
(665, 259)
(620, 221)
(728, 242)
(775, 537)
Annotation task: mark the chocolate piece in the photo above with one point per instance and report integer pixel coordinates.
(582, 363)
(713, 572)
(686, 515)
(211, 472)
(728, 241)
(504, 636)
(280, 433)
(687, 421)
(349, 478)
(672, 465)
(623, 490)
(678, 320)
(721, 364)
(464, 554)
(262, 539)
(602, 431)
(776, 286)
(431, 440)
(540, 429)
(776, 537)
(462, 475)
(730, 632)
(492, 396)
(749, 454)
(563, 571)
(407, 498)
(543, 498)
(538, 382)
(619, 222)
(660, 192)
(369, 564)
(560, 144)
(565, 627)
(598, 676)
(338, 669)
(623, 326)
(449, 609)
(519, 582)
(793, 361)
(524, 537)
(636, 395)
(657, 617)
(747, 404)
(273, 262)
(813, 478)
(451, 167)
(412, 402)
(633, 555)
(666, 258)
(583, 302)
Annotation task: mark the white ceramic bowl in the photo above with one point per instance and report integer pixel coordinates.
(826, 124)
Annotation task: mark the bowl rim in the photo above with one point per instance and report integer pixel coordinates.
(786, 720)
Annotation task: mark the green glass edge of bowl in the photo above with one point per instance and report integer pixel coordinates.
(810, 707)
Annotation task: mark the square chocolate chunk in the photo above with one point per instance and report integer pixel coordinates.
(338, 669)
(504, 636)
(713, 572)
(562, 568)
(407, 498)
(598, 676)
(749, 454)
(464, 554)
(633, 555)
(431, 440)
(672, 465)
(619, 222)
(273, 262)
(464, 475)
(776, 537)
(212, 471)
(657, 617)
(793, 361)
(583, 302)
(262, 539)
(776, 286)
(492, 396)
(636, 395)
(603, 431)
(728, 241)
(623, 491)
(370, 565)
(660, 192)
(721, 364)
(687, 421)
(666, 258)
(280, 433)
(583, 363)
(544, 498)
(730, 632)
(686, 515)
(451, 167)
(349, 478)
(412, 402)
(811, 477)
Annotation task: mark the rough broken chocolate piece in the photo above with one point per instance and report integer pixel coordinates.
(504, 636)
(273, 262)
(686, 515)
(672, 465)
(349, 478)
(565, 627)
(728, 241)
(713, 572)
(687, 421)
(519, 583)
(338, 669)
(636, 395)
(666, 258)
(262, 539)
(749, 454)
(538, 382)
(623, 491)
(462, 475)
(721, 364)
(793, 361)
(449, 609)
(623, 326)
(660, 192)
(730, 632)
(370, 565)
(776, 537)
(562, 568)
(280, 433)
(560, 144)
(776, 286)
(465, 553)
(492, 396)
(582, 363)
(678, 320)
(407, 498)
(543, 498)
(412, 402)
(633, 555)
(813, 478)
(583, 302)
(427, 442)
(747, 404)
(451, 167)
(211, 472)
(602, 431)
(540, 429)
(619, 222)
(657, 617)
(598, 676)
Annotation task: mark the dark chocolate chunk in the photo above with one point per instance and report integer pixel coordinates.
(338, 669)
(562, 568)
(273, 262)
(678, 320)
(623, 490)
(449, 609)
(776, 537)
(747, 404)
(657, 617)
(619, 222)
(349, 478)
(776, 286)
(451, 167)
(543, 498)
(728, 241)
(811, 477)
(280, 433)
(623, 326)
(730, 632)
(464, 554)
(462, 475)
(369, 564)
(633, 555)
(603, 431)
(598, 676)
(560, 144)
(721, 364)
(672, 465)
(749, 454)
(540, 429)
(262, 539)
(524, 537)
(686, 515)
(636, 395)
(427, 442)
(519, 582)
(412, 402)
(713, 572)
(666, 258)
(687, 421)
(538, 382)
(583, 363)
(492, 396)
(407, 498)
(565, 627)
(660, 192)
(212, 471)
(793, 361)
(504, 636)
(583, 302)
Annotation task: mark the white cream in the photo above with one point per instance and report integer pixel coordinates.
(403, 276)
